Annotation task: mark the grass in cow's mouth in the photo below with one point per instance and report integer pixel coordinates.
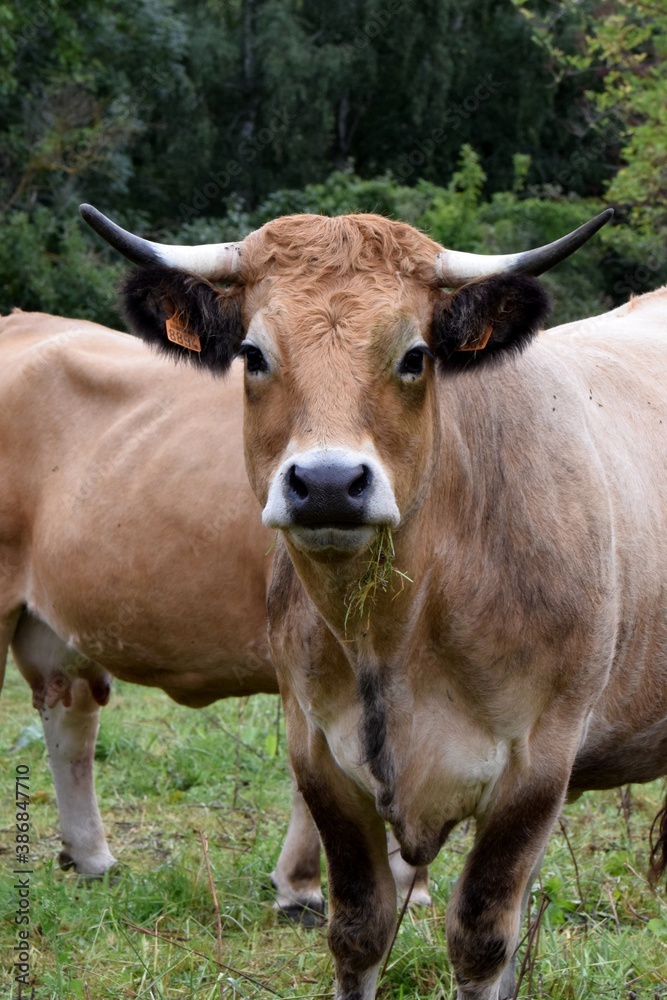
(378, 577)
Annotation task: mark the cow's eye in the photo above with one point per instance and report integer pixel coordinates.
(412, 362)
(254, 359)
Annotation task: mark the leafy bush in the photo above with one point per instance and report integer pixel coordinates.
(49, 265)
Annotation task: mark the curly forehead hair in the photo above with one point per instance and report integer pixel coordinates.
(316, 247)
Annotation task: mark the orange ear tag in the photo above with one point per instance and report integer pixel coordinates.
(481, 342)
(179, 333)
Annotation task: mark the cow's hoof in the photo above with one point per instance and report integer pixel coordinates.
(418, 899)
(92, 868)
(305, 914)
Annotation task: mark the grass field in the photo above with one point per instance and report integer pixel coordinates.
(166, 775)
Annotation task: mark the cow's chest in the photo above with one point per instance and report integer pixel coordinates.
(419, 753)
(399, 728)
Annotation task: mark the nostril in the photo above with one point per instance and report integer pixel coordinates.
(297, 485)
(361, 483)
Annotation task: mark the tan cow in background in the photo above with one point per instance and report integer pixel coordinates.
(130, 545)
(393, 426)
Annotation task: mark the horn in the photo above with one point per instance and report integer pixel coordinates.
(453, 268)
(217, 261)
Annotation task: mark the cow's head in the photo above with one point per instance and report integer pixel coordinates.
(345, 327)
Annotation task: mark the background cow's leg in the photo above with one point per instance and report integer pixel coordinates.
(71, 734)
(362, 893)
(485, 911)
(297, 878)
(404, 874)
(70, 712)
(7, 627)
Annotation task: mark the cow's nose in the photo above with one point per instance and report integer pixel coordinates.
(328, 493)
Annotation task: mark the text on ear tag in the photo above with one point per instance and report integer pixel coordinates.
(481, 342)
(179, 333)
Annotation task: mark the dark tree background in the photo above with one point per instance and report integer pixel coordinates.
(491, 123)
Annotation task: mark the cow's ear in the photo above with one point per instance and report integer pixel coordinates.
(185, 316)
(487, 319)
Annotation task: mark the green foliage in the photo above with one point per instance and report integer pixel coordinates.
(171, 111)
(625, 47)
(49, 265)
(632, 43)
(200, 121)
(77, 96)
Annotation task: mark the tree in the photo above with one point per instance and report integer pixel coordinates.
(631, 44)
(624, 47)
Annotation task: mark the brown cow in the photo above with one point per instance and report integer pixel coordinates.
(524, 495)
(131, 544)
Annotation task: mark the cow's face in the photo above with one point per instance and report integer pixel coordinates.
(343, 331)
(340, 406)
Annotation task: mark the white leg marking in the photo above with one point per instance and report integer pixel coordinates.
(70, 739)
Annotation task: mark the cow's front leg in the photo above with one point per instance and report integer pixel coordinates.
(362, 893)
(508, 979)
(486, 909)
(296, 878)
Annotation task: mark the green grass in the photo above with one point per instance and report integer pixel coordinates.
(165, 774)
